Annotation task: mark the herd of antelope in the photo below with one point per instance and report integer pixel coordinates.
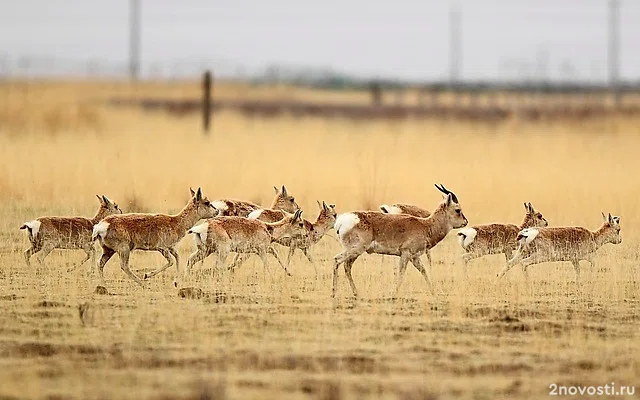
(245, 228)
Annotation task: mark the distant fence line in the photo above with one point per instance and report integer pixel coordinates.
(584, 106)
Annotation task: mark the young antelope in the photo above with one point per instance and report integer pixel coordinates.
(152, 232)
(48, 233)
(240, 208)
(563, 244)
(314, 230)
(481, 240)
(223, 235)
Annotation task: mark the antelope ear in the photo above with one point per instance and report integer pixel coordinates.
(276, 190)
(449, 199)
(100, 198)
(192, 192)
(531, 210)
(604, 217)
(199, 194)
(319, 205)
(526, 207)
(610, 219)
(324, 205)
(298, 214)
(106, 200)
(284, 191)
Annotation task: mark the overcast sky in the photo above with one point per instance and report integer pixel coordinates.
(400, 38)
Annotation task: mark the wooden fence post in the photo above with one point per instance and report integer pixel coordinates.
(376, 93)
(207, 83)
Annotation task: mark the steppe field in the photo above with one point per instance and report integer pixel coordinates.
(273, 336)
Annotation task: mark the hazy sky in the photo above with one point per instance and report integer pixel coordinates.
(400, 38)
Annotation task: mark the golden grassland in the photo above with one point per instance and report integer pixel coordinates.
(278, 337)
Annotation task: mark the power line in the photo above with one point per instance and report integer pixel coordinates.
(134, 39)
(454, 45)
(614, 48)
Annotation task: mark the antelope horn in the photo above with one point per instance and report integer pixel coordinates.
(446, 191)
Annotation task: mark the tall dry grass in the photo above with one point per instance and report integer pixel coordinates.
(151, 159)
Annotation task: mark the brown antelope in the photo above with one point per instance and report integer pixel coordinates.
(563, 244)
(241, 208)
(48, 233)
(400, 235)
(223, 235)
(314, 230)
(402, 208)
(481, 240)
(153, 232)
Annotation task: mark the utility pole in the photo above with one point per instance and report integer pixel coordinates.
(542, 63)
(134, 39)
(454, 45)
(454, 53)
(614, 50)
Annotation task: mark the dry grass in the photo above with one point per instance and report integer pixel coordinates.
(285, 338)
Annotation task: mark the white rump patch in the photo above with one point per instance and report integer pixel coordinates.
(220, 205)
(530, 234)
(255, 214)
(99, 230)
(200, 232)
(390, 209)
(466, 236)
(34, 227)
(345, 222)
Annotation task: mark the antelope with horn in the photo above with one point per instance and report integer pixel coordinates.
(401, 235)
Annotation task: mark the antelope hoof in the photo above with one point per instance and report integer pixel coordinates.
(146, 276)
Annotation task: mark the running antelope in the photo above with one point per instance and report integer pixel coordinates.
(400, 235)
(241, 208)
(152, 232)
(563, 244)
(244, 236)
(48, 233)
(314, 230)
(481, 240)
